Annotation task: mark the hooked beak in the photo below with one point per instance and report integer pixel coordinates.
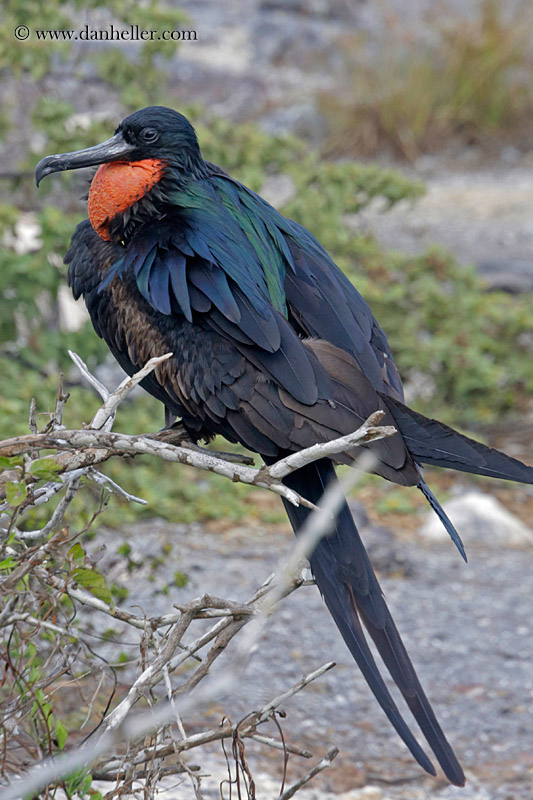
(114, 149)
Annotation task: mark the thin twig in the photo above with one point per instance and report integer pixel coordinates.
(27, 617)
(109, 484)
(32, 419)
(277, 701)
(56, 418)
(368, 432)
(290, 748)
(105, 415)
(31, 562)
(57, 517)
(323, 764)
(89, 377)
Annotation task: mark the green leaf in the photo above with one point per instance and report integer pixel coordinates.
(77, 553)
(78, 782)
(16, 493)
(45, 469)
(7, 563)
(180, 579)
(61, 734)
(85, 785)
(94, 582)
(9, 463)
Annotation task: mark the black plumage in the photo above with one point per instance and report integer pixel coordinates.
(273, 348)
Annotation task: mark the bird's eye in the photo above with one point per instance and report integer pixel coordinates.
(149, 135)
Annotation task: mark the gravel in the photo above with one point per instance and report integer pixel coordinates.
(468, 629)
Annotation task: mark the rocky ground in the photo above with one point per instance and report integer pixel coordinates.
(468, 629)
(483, 217)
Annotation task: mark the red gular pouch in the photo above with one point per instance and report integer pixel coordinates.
(117, 186)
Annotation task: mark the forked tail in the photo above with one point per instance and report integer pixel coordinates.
(432, 442)
(352, 594)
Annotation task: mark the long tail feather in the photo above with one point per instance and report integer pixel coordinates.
(442, 515)
(432, 442)
(352, 593)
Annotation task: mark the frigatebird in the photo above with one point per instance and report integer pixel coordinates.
(273, 348)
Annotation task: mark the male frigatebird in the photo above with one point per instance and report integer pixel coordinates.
(273, 348)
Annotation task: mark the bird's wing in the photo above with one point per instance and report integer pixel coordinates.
(324, 303)
(302, 280)
(319, 298)
(210, 267)
(345, 399)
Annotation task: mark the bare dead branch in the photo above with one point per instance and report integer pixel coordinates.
(368, 432)
(93, 446)
(57, 517)
(277, 701)
(323, 764)
(103, 445)
(104, 417)
(32, 420)
(91, 379)
(290, 748)
(112, 486)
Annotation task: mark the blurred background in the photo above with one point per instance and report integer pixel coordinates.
(398, 131)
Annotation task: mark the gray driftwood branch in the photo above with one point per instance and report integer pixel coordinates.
(83, 449)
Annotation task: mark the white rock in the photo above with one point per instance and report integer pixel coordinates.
(278, 190)
(25, 236)
(366, 793)
(72, 313)
(85, 119)
(478, 517)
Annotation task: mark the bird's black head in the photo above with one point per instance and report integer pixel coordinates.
(159, 132)
(155, 132)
